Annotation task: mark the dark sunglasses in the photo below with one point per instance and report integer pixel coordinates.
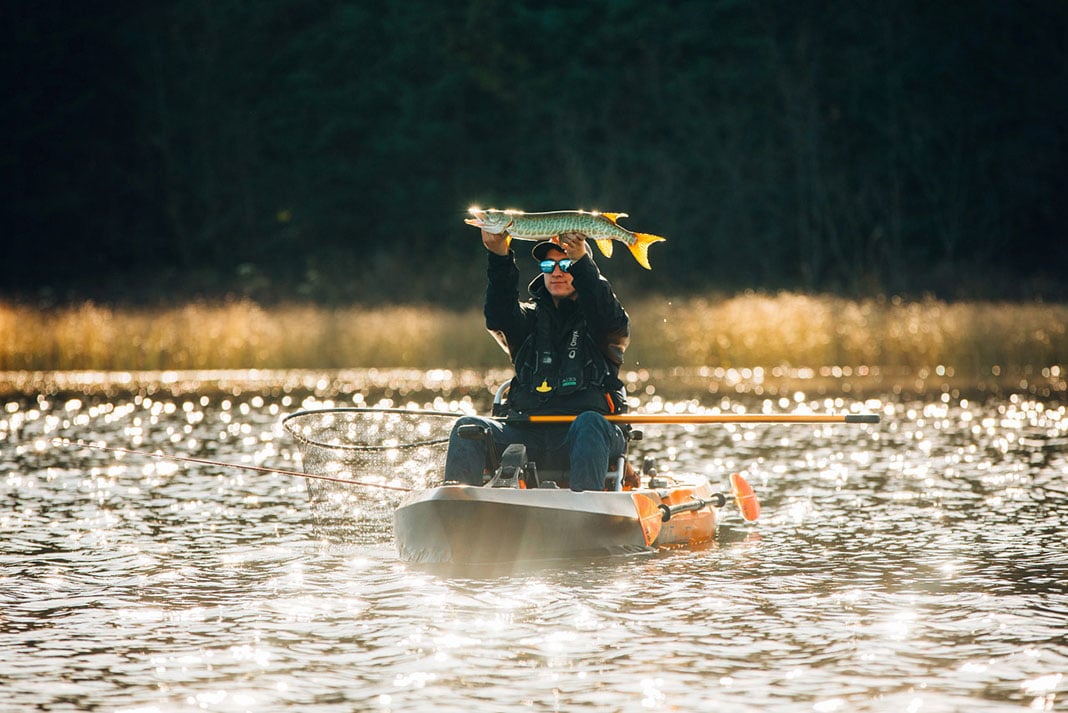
(547, 266)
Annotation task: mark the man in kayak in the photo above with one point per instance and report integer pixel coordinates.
(567, 346)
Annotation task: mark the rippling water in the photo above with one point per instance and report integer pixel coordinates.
(917, 565)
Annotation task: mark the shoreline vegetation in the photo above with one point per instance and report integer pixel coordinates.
(893, 342)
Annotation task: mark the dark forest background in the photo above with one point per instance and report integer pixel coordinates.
(328, 151)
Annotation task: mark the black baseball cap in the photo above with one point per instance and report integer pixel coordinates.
(539, 251)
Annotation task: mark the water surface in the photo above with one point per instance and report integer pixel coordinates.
(917, 565)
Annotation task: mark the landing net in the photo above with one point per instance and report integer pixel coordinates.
(402, 448)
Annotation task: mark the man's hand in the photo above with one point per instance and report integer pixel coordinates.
(496, 243)
(574, 244)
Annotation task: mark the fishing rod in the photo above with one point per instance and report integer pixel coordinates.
(205, 461)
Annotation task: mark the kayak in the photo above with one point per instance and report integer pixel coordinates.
(521, 514)
(479, 525)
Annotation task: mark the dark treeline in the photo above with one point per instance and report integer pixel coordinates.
(328, 151)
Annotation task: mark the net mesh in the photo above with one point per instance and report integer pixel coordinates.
(402, 448)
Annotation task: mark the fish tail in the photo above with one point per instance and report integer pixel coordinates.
(640, 248)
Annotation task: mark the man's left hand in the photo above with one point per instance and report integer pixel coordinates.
(574, 244)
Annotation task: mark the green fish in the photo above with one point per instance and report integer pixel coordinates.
(601, 228)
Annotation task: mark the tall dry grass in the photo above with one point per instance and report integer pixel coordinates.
(744, 331)
(790, 329)
(238, 334)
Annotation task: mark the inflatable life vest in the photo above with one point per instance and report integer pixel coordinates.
(560, 370)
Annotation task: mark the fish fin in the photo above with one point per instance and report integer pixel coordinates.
(613, 217)
(640, 248)
(605, 244)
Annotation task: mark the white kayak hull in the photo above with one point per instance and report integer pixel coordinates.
(463, 524)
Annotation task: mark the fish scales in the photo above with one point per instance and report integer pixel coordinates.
(542, 226)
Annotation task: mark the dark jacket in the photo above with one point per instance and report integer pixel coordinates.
(567, 358)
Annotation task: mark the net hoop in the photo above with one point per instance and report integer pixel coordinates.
(291, 422)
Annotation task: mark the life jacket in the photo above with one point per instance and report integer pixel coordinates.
(560, 370)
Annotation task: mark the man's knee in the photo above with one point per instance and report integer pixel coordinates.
(467, 421)
(589, 417)
(588, 421)
(593, 429)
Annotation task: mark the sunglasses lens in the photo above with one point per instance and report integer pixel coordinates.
(547, 266)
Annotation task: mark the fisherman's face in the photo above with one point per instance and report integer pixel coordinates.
(558, 282)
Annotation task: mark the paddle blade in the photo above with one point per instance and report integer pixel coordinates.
(650, 517)
(745, 497)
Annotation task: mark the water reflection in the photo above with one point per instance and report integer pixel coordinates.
(917, 565)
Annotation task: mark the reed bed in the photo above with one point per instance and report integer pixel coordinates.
(750, 330)
(237, 334)
(789, 329)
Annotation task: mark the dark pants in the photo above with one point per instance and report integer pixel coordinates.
(585, 447)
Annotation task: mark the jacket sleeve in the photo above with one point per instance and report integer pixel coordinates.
(607, 321)
(507, 319)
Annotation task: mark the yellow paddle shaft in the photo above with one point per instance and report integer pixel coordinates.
(697, 418)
